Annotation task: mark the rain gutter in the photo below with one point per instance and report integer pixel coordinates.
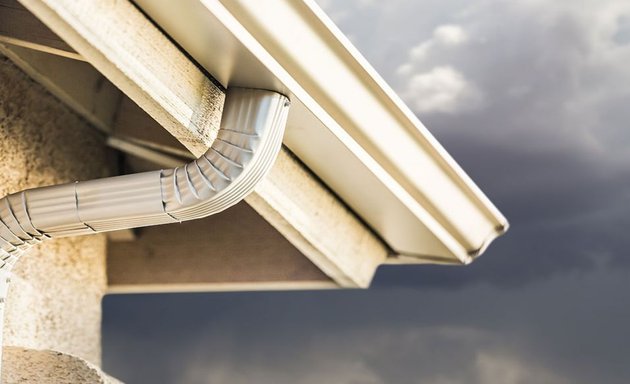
(346, 124)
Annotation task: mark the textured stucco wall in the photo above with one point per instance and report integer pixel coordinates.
(49, 367)
(55, 295)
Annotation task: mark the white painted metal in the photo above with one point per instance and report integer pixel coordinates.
(153, 155)
(346, 124)
(247, 144)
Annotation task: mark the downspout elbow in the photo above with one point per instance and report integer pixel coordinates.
(250, 137)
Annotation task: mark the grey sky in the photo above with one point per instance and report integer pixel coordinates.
(531, 98)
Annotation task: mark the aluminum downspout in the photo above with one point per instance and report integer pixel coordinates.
(250, 137)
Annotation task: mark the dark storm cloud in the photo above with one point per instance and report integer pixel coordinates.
(531, 98)
(542, 333)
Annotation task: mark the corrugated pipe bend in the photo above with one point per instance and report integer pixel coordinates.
(245, 148)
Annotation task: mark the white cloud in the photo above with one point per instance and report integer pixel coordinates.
(497, 368)
(428, 355)
(324, 360)
(450, 34)
(442, 89)
(420, 51)
(341, 372)
(447, 35)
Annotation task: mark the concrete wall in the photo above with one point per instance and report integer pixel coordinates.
(55, 295)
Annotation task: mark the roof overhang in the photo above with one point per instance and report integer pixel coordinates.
(346, 124)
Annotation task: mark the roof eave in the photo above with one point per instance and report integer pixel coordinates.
(346, 124)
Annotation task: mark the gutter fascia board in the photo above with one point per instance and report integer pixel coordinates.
(425, 203)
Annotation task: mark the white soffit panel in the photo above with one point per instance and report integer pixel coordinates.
(345, 123)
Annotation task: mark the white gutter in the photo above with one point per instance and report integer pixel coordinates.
(250, 137)
(345, 123)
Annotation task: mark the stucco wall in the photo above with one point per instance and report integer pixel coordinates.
(55, 295)
(49, 367)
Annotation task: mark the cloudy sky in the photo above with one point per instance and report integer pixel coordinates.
(532, 98)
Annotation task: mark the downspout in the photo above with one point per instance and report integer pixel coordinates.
(250, 137)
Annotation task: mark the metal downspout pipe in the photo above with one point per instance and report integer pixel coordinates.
(246, 146)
